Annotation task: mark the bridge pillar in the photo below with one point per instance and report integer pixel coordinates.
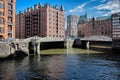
(65, 43)
(38, 48)
(12, 48)
(34, 49)
(88, 45)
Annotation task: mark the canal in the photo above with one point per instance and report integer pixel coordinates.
(63, 64)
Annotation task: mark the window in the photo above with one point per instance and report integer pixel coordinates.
(10, 13)
(1, 13)
(1, 21)
(119, 19)
(10, 19)
(9, 6)
(9, 27)
(1, 29)
(1, 5)
(10, 35)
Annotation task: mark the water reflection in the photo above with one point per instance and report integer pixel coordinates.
(92, 67)
(69, 66)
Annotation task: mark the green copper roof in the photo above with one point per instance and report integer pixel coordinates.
(82, 18)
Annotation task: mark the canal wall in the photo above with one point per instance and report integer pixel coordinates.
(10, 50)
(6, 49)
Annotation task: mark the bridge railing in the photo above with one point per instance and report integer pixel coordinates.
(39, 39)
(96, 38)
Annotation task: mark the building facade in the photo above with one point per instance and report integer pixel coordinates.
(7, 19)
(102, 26)
(20, 26)
(82, 26)
(116, 30)
(41, 21)
(72, 25)
(94, 26)
(116, 26)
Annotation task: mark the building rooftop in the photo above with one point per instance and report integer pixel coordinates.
(82, 18)
(103, 18)
(37, 6)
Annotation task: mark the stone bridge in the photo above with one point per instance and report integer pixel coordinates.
(8, 48)
(23, 44)
(89, 41)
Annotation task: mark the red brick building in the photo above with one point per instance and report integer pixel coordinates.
(7, 19)
(20, 26)
(84, 26)
(41, 21)
(95, 26)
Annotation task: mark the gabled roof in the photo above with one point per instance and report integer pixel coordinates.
(82, 18)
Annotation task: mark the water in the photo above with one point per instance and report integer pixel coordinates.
(73, 64)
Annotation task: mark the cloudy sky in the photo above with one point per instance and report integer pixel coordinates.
(76, 7)
(96, 7)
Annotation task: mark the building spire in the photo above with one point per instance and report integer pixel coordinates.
(39, 5)
(86, 14)
(56, 6)
(62, 8)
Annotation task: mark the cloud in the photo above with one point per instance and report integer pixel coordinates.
(79, 8)
(111, 6)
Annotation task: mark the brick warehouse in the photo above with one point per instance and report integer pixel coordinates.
(41, 21)
(7, 19)
(94, 26)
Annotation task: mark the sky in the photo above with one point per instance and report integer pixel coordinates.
(95, 8)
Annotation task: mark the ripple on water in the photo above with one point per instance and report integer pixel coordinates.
(63, 67)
